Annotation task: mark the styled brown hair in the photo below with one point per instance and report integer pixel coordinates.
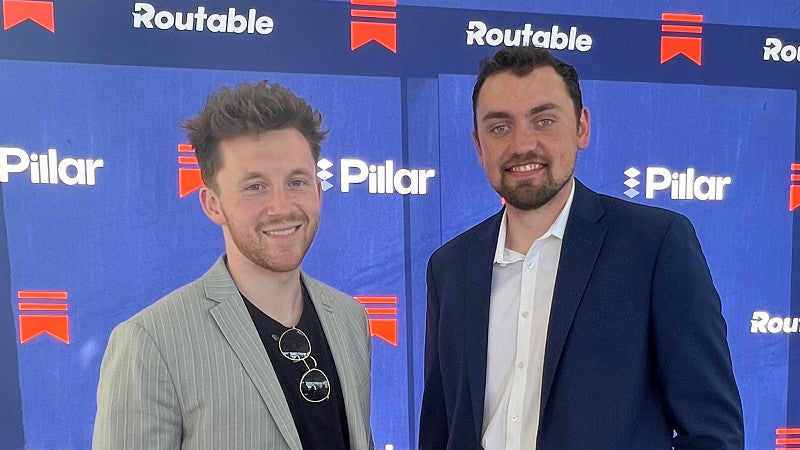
(249, 110)
(521, 61)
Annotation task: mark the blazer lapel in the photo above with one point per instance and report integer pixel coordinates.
(337, 333)
(236, 325)
(477, 288)
(583, 238)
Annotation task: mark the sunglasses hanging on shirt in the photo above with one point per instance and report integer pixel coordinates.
(295, 346)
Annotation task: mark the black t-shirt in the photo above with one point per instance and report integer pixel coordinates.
(321, 425)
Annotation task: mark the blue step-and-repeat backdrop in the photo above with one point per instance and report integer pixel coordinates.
(694, 108)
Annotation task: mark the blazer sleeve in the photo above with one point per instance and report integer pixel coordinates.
(137, 404)
(433, 431)
(367, 390)
(691, 349)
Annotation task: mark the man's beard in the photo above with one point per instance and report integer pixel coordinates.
(525, 195)
(270, 257)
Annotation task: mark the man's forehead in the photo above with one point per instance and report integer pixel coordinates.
(278, 155)
(506, 87)
(544, 76)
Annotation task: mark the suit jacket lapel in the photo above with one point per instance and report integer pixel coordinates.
(236, 325)
(583, 238)
(336, 332)
(475, 319)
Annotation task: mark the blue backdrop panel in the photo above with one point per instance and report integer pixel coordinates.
(100, 88)
(424, 219)
(11, 427)
(117, 246)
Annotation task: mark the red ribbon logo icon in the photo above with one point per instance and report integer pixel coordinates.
(189, 178)
(383, 328)
(690, 47)
(794, 189)
(46, 321)
(18, 11)
(384, 33)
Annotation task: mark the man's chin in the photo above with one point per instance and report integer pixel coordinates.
(279, 267)
(528, 199)
(284, 262)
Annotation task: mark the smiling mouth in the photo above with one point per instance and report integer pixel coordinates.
(283, 232)
(526, 167)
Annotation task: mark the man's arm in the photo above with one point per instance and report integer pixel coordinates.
(692, 354)
(367, 389)
(137, 406)
(433, 417)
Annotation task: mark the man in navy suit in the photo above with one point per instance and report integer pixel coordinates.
(570, 319)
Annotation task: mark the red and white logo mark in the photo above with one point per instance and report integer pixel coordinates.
(18, 11)
(385, 326)
(794, 188)
(788, 438)
(189, 178)
(674, 44)
(384, 33)
(47, 320)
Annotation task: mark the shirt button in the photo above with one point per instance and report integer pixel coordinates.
(530, 264)
(521, 364)
(525, 314)
(514, 418)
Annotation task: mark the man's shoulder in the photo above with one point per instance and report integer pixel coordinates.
(623, 206)
(189, 302)
(636, 214)
(175, 304)
(633, 224)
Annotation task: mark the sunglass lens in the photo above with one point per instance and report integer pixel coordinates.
(315, 386)
(294, 345)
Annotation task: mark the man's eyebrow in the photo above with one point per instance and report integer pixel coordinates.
(544, 107)
(301, 171)
(250, 175)
(495, 115)
(532, 112)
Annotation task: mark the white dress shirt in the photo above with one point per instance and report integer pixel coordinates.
(519, 314)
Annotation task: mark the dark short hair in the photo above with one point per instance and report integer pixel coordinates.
(521, 61)
(249, 110)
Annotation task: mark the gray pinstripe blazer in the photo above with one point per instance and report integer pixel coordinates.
(190, 372)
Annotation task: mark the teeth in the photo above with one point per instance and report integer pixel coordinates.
(285, 232)
(526, 168)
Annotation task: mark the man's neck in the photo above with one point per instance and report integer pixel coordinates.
(278, 295)
(524, 227)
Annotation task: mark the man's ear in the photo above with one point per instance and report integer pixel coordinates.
(584, 130)
(211, 205)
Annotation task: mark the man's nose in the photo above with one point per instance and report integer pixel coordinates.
(524, 139)
(278, 202)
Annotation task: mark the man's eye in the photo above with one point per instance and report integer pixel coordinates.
(546, 122)
(500, 129)
(298, 183)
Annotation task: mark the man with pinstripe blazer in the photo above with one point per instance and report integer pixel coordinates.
(255, 354)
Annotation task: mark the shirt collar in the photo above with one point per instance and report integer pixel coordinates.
(556, 230)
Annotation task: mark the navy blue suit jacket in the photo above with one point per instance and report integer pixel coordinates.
(636, 348)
